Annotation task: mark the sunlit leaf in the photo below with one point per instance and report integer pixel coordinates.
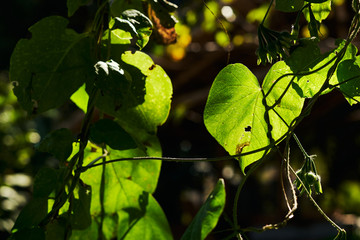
(321, 11)
(147, 104)
(277, 86)
(234, 113)
(124, 197)
(81, 98)
(307, 86)
(239, 118)
(208, 215)
(48, 68)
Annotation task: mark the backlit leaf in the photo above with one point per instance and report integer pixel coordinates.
(147, 103)
(234, 113)
(239, 117)
(320, 10)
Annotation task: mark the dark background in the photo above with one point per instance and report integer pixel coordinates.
(332, 132)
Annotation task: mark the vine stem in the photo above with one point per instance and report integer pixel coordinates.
(237, 195)
(339, 229)
(267, 12)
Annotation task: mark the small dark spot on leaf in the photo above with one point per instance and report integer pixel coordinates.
(152, 67)
(240, 147)
(129, 178)
(248, 129)
(93, 149)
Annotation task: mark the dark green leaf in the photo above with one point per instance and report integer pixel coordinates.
(303, 55)
(73, 5)
(119, 6)
(45, 182)
(109, 132)
(289, 5)
(57, 143)
(55, 230)
(35, 233)
(209, 214)
(49, 67)
(32, 214)
(316, 1)
(348, 76)
(81, 218)
(111, 79)
(142, 25)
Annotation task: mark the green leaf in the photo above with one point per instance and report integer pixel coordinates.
(117, 7)
(321, 11)
(275, 84)
(234, 113)
(237, 117)
(32, 214)
(35, 233)
(47, 69)
(307, 86)
(147, 104)
(302, 57)
(111, 79)
(81, 98)
(289, 5)
(143, 172)
(73, 5)
(81, 218)
(90, 233)
(55, 230)
(348, 76)
(124, 197)
(57, 143)
(142, 25)
(109, 132)
(209, 214)
(45, 182)
(316, 1)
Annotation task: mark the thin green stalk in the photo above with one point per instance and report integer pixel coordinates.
(267, 12)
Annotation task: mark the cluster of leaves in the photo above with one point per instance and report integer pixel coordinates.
(274, 46)
(95, 193)
(102, 69)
